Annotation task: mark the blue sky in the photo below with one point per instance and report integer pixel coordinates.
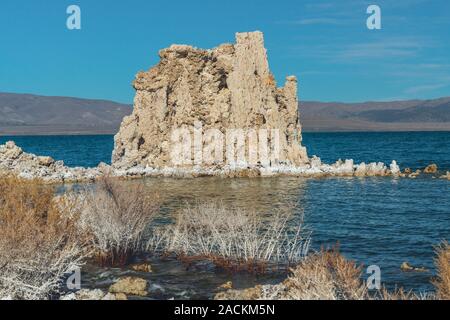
(326, 44)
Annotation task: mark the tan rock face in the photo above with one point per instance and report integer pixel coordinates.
(228, 87)
(130, 285)
(13, 160)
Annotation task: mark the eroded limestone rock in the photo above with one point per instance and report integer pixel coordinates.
(13, 160)
(228, 87)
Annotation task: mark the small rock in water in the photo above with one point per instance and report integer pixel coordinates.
(395, 169)
(226, 286)
(407, 171)
(432, 168)
(406, 267)
(415, 174)
(130, 286)
(142, 267)
(446, 176)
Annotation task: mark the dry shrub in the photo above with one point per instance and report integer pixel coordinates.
(326, 275)
(236, 239)
(401, 294)
(442, 262)
(117, 215)
(38, 243)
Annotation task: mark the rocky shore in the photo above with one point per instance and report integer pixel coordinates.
(13, 160)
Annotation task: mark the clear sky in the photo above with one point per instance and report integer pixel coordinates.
(326, 44)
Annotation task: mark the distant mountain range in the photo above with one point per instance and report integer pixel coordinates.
(32, 114)
(25, 114)
(411, 115)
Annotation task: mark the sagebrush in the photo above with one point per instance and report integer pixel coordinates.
(442, 261)
(236, 238)
(39, 244)
(117, 215)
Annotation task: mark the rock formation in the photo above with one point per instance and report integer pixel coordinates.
(446, 176)
(432, 168)
(228, 87)
(13, 160)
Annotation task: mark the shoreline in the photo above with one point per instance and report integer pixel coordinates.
(13, 160)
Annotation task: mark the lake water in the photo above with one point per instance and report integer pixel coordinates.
(377, 221)
(410, 149)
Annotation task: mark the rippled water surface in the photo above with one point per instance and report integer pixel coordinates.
(379, 221)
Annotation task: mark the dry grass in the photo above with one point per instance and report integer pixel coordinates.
(117, 215)
(400, 294)
(326, 275)
(442, 262)
(236, 239)
(38, 243)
